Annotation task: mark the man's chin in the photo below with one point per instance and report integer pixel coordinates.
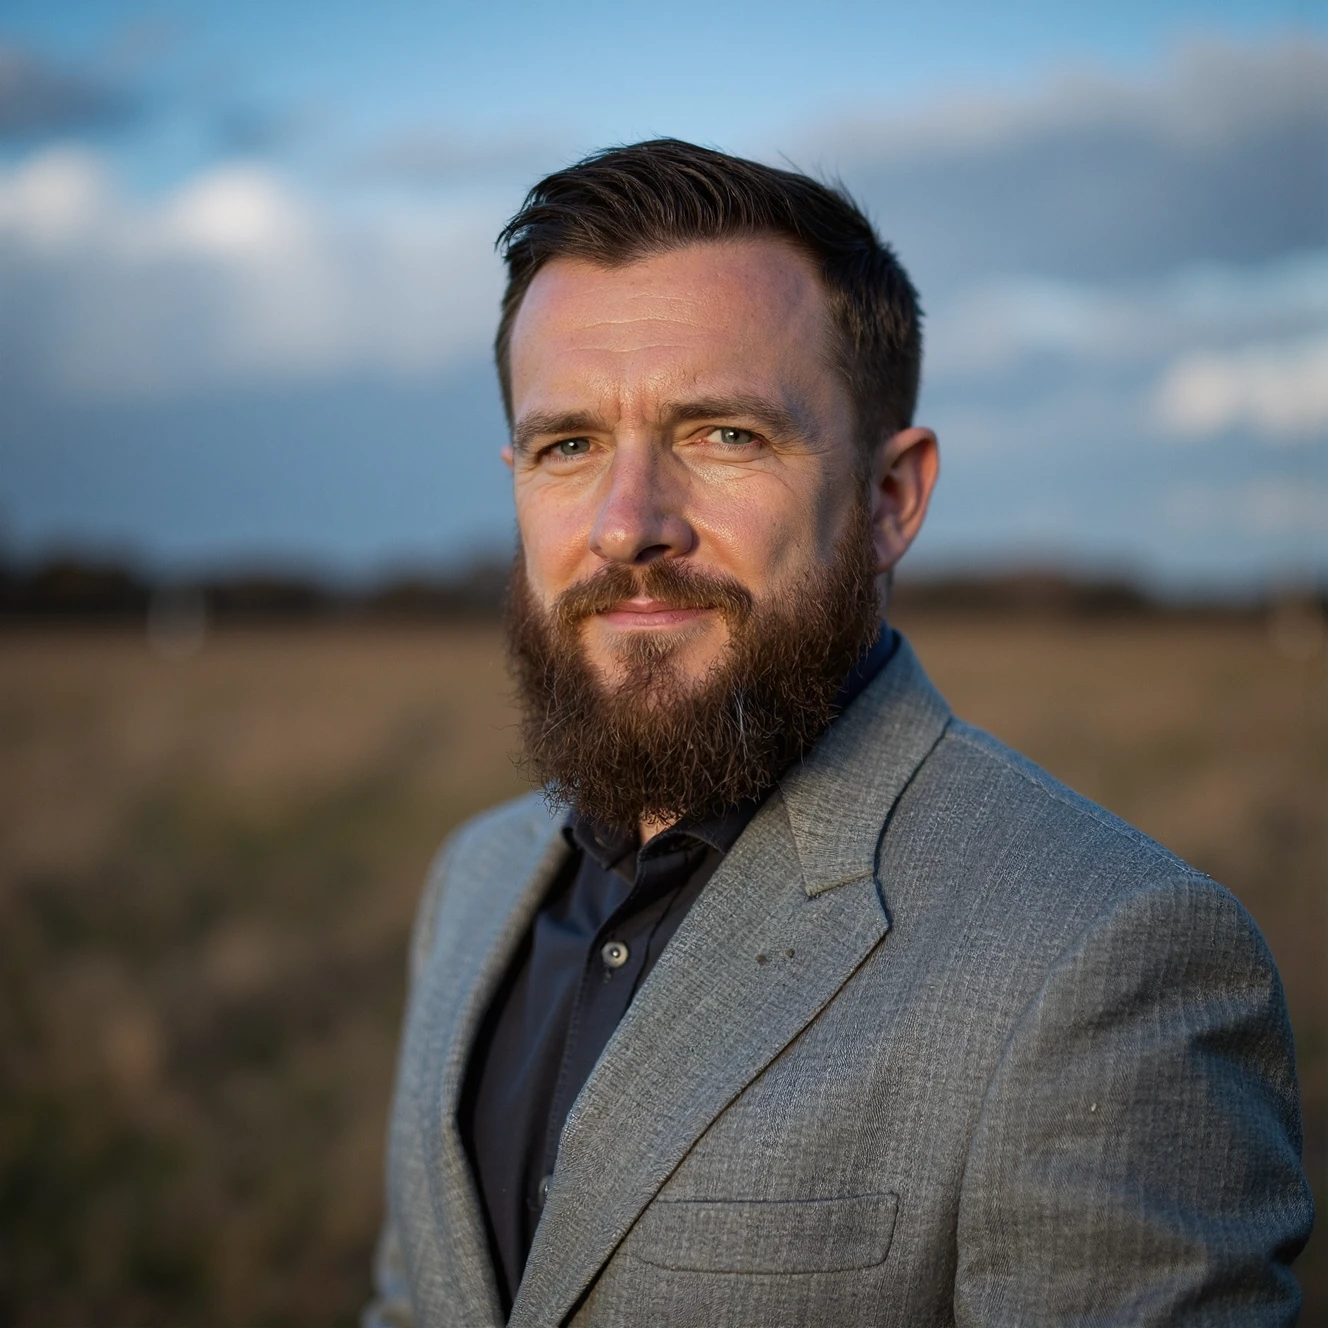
(681, 658)
(658, 679)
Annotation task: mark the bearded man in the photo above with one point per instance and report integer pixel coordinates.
(792, 999)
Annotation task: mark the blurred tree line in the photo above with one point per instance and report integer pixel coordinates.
(89, 589)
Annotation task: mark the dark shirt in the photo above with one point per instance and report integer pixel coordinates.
(608, 915)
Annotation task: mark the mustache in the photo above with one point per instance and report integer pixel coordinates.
(677, 584)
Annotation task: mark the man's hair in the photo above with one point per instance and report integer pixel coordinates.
(627, 203)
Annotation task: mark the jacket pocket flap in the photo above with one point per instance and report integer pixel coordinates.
(766, 1236)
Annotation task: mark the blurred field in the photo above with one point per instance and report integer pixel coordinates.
(208, 866)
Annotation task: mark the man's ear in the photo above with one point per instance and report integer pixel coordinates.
(903, 474)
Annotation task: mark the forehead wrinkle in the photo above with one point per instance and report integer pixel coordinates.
(667, 333)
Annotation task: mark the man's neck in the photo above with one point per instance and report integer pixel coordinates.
(649, 829)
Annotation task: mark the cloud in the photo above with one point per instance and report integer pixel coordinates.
(243, 131)
(989, 328)
(40, 99)
(235, 277)
(1279, 391)
(1217, 158)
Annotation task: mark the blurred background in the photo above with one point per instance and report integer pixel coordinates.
(254, 528)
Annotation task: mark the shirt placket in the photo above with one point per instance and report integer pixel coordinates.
(610, 974)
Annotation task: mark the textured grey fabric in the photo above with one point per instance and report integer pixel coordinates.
(940, 1043)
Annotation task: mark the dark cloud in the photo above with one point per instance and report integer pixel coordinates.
(348, 475)
(248, 130)
(1225, 161)
(430, 157)
(40, 99)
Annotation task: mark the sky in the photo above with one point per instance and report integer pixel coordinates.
(247, 278)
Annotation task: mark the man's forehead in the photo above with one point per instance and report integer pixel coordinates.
(716, 317)
(750, 271)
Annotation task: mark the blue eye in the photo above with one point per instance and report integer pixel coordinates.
(733, 437)
(572, 447)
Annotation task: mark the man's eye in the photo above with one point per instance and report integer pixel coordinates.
(571, 447)
(732, 437)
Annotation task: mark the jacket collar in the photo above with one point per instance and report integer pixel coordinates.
(838, 796)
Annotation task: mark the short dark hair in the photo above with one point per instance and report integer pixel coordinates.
(625, 203)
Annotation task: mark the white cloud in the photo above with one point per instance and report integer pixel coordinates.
(235, 277)
(1279, 391)
(234, 211)
(988, 328)
(53, 200)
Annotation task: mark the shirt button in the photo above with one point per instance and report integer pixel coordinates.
(544, 1190)
(614, 954)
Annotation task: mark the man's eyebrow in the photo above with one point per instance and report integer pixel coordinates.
(542, 423)
(769, 415)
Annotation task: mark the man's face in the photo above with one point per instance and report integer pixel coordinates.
(684, 406)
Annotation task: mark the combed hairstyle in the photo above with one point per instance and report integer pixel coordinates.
(626, 203)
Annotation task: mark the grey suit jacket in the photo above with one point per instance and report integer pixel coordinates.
(941, 1042)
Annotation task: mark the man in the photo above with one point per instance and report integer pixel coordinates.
(794, 1000)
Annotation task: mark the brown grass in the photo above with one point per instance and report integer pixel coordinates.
(207, 869)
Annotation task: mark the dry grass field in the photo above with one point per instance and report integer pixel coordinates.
(208, 866)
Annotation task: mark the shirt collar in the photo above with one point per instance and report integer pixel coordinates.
(609, 847)
(605, 845)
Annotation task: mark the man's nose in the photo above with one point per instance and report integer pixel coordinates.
(641, 515)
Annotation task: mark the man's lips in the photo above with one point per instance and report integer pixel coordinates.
(638, 613)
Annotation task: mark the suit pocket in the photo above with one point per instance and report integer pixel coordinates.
(770, 1236)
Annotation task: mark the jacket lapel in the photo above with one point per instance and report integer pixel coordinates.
(791, 913)
(491, 896)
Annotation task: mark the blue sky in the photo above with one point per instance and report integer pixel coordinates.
(246, 278)
(334, 74)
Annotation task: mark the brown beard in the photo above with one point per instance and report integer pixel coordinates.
(655, 746)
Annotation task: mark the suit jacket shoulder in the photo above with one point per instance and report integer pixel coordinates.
(1028, 848)
(989, 756)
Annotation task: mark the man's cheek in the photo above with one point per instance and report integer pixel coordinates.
(549, 569)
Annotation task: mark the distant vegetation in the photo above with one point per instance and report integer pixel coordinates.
(85, 589)
(88, 590)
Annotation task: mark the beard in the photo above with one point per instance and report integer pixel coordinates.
(655, 745)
